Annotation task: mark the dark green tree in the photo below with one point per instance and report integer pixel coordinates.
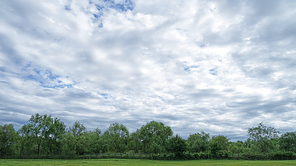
(287, 142)
(7, 139)
(77, 139)
(117, 136)
(41, 135)
(135, 142)
(199, 142)
(96, 141)
(222, 141)
(154, 136)
(178, 146)
(264, 137)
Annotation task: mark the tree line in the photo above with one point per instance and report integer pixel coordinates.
(47, 135)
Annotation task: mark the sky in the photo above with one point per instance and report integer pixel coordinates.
(215, 66)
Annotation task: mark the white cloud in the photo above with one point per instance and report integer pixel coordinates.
(221, 67)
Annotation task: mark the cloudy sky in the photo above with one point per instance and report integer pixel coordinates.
(214, 66)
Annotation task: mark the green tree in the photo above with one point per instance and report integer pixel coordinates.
(96, 143)
(264, 136)
(77, 129)
(117, 136)
(287, 142)
(135, 143)
(222, 141)
(41, 135)
(178, 146)
(199, 142)
(25, 140)
(154, 136)
(236, 148)
(7, 139)
(77, 139)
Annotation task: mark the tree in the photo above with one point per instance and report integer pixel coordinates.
(288, 141)
(77, 129)
(25, 140)
(41, 135)
(263, 135)
(77, 140)
(7, 139)
(154, 136)
(236, 147)
(96, 143)
(178, 146)
(199, 142)
(222, 141)
(135, 142)
(117, 136)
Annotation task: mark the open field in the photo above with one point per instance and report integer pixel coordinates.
(138, 162)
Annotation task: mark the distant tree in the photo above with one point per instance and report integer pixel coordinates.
(117, 136)
(154, 136)
(7, 139)
(77, 129)
(263, 135)
(199, 142)
(222, 141)
(96, 141)
(77, 139)
(25, 140)
(41, 135)
(178, 146)
(135, 142)
(236, 148)
(287, 142)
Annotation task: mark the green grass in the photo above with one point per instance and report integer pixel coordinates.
(138, 162)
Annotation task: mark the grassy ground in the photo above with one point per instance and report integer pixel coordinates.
(138, 162)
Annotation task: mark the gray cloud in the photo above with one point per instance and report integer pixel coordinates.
(214, 66)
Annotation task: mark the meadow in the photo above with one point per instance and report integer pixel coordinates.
(139, 162)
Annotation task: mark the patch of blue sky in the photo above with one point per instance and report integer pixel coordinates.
(35, 78)
(97, 19)
(121, 6)
(67, 7)
(45, 78)
(27, 66)
(189, 68)
(50, 75)
(213, 71)
(2, 69)
(105, 96)
(161, 98)
(58, 86)
(202, 46)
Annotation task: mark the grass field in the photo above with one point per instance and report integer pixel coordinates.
(138, 162)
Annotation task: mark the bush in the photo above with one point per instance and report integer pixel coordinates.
(189, 156)
(223, 154)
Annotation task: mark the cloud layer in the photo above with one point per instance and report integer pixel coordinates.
(214, 66)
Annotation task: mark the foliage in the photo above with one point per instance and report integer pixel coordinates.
(222, 141)
(7, 139)
(130, 162)
(287, 141)
(41, 135)
(154, 136)
(178, 146)
(135, 142)
(47, 137)
(263, 135)
(117, 137)
(199, 142)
